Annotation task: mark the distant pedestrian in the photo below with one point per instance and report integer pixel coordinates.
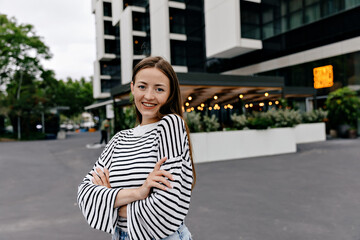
(140, 187)
(105, 126)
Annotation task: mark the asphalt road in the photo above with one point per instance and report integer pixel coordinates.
(312, 194)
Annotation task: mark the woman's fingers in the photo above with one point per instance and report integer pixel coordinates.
(96, 179)
(159, 163)
(166, 174)
(101, 178)
(162, 180)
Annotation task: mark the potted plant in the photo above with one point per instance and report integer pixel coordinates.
(343, 110)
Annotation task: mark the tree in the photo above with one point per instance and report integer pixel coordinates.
(75, 94)
(21, 51)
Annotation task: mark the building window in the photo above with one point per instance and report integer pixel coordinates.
(141, 46)
(135, 62)
(250, 20)
(178, 53)
(107, 9)
(111, 68)
(108, 84)
(139, 3)
(177, 21)
(112, 46)
(141, 22)
(108, 28)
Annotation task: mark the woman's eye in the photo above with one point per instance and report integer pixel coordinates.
(141, 87)
(160, 90)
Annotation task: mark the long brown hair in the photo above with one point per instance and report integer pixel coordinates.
(173, 105)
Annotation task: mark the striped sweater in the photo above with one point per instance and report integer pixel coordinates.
(130, 157)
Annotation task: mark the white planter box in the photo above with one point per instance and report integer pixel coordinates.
(226, 145)
(310, 132)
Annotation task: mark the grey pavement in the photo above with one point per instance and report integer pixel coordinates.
(312, 194)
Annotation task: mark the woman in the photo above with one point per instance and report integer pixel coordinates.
(140, 187)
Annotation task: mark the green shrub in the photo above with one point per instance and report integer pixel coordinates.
(210, 124)
(239, 121)
(260, 120)
(193, 120)
(318, 115)
(344, 107)
(285, 117)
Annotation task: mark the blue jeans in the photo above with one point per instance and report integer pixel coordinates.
(181, 234)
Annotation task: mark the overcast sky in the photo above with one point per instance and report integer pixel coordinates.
(67, 28)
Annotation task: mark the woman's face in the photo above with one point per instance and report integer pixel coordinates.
(150, 90)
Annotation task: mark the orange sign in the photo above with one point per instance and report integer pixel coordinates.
(323, 77)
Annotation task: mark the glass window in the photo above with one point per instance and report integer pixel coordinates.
(295, 20)
(250, 20)
(108, 28)
(139, 3)
(107, 9)
(112, 46)
(108, 84)
(268, 30)
(141, 22)
(111, 68)
(177, 20)
(309, 2)
(178, 53)
(141, 45)
(312, 13)
(351, 3)
(295, 5)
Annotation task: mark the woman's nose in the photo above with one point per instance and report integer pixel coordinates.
(149, 94)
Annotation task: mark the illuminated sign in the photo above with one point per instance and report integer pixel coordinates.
(323, 77)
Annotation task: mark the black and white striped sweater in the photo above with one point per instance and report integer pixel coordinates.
(130, 156)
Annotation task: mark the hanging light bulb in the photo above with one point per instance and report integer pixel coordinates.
(189, 98)
(215, 97)
(266, 94)
(241, 96)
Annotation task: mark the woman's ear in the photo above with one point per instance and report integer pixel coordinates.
(132, 87)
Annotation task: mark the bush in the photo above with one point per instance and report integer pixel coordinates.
(260, 120)
(193, 120)
(239, 121)
(210, 124)
(285, 117)
(314, 116)
(344, 107)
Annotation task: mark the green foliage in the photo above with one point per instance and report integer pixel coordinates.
(318, 115)
(260, 120)
(193, 120)
(20, 49)
(239, 121)
(126, 118)
(210, 124)
(344, 107)
(285, 117)
(75, 94)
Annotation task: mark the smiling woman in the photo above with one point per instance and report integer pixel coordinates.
(140, 187)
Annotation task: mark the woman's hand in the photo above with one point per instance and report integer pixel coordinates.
(101, 178)
(154, 179)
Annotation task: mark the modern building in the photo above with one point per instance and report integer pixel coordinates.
(278, 38)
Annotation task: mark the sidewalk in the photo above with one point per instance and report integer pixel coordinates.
(311, 194)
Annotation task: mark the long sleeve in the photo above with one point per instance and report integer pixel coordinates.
(97, 202)
(162, 212)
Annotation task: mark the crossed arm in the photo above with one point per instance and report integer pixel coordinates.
(126, 196)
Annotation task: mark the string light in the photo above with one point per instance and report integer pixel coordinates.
(215, 97)
(270, 103)
(202, 105)
(246, 105)
(241, 96)
(187, 104)
(188, 110)
(266, 94)
(261, 104)
(192, 108)
(189, 98)
(251, 105)
(210, 108)
(276, 102)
